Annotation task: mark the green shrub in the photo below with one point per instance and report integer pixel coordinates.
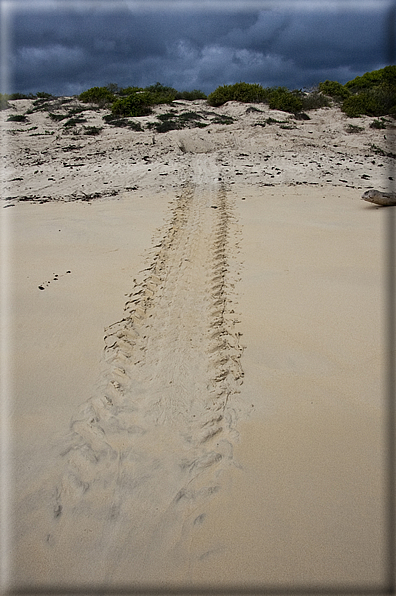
(220, 96)
(385, 77)
(159, 93)
(285, 100)
(21, 96)
(129, 90)
(314, 100)
(44, 95)
(99, 95)
(135, 105)
(244, 92)
(372, 94)
(362, 103)
(334, 89)
(16, 118)
(191, 95)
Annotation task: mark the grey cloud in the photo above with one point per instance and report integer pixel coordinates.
(66, 51)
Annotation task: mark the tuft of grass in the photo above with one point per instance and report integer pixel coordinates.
(74, 121)
(167, 116)
(380, 151)
(379, 124)
(222, 120)
(57, 117)
(189, 116)
(165, 125)
(17, 118)
(301, 116)
(352, 128)
(114, 120)
(92, 130)
(172, 121)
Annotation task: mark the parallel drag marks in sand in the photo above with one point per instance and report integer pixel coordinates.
(152, 445)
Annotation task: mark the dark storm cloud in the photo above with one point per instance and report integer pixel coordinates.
(65, 52)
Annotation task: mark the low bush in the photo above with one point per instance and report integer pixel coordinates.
(384, 77)
(57, 117)
(188, 116)
(285, 100)
(92, 130)
(74, 121)
(122, 122)
(302, 116)
(244, 92)
(362, 103)
(99, 95)
(137, 104)
(44, 95)
(352, 128)
(222, 120)
(129, 90)
(167, 116)
(21, 96)
(172, 121)
(334, 89)
(379, 124)
(165, 125)
(191, 95)
(17, 118)
(314, 100)
(159, 93)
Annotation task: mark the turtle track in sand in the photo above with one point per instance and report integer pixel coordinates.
(147, 452)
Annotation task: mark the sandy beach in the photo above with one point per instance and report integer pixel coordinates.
(197, 350)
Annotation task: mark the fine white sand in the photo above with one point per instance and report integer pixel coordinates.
(197, 353)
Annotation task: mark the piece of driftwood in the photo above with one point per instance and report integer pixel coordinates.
(377, 197)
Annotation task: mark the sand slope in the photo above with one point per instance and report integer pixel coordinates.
(197, 353)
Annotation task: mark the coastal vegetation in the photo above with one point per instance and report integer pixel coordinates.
(372, 94)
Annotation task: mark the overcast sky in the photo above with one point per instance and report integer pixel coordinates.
(64, 47)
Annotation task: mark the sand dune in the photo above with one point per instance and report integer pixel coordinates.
(197, 351)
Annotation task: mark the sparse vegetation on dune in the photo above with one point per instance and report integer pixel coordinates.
(372, 94)
(277, 98)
